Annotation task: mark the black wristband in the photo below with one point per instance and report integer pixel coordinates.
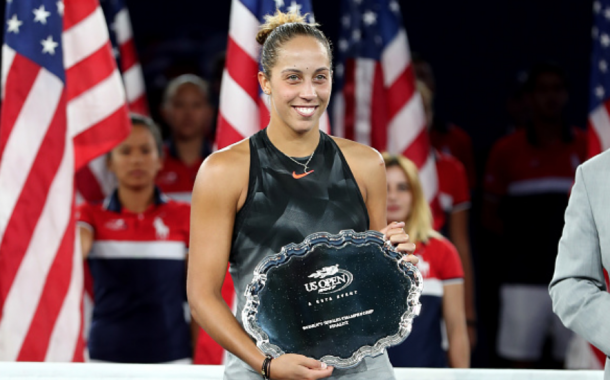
(265, 367)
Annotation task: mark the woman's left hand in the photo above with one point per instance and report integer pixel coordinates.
(395, 234)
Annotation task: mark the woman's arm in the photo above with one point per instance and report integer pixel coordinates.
(455, 320)
(220, 190)
(214, 205)
(86, 240)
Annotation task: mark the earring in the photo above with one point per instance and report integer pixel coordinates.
(266, 92)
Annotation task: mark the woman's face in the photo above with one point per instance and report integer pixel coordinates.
(188, 112)
(300, 84)
(400, 196)
(136, 161)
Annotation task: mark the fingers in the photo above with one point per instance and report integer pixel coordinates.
(410, 259)
(393, 225)
(312, 363)
(405, 247)
(322, 373)
(318, 369)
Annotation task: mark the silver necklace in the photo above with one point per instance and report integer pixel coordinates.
(305, 165)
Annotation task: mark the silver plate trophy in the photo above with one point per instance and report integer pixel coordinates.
(336, 298)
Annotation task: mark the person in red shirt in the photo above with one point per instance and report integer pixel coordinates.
(446, 137)
(136, 244)
(439, 263)
(450, 212)
(528, 179)
(189, 114)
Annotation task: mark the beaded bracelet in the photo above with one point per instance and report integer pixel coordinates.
(266, 367)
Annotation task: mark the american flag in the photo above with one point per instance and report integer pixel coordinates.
(599, 98)
(94, 182)
(63, 104)
(376, 101)
(244, 109)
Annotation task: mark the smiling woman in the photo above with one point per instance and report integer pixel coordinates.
(280, 185)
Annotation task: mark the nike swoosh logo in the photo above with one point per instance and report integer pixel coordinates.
(299, 176)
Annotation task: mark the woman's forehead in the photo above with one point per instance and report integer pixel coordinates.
(303, 53)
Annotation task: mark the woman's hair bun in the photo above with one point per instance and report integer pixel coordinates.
(278, 19)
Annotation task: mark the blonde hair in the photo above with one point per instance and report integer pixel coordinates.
(419, 222)
(281, 28)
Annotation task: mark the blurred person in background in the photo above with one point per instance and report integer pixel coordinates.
(517, 105)
(450, 213)
(187, 110)
(189, 113)
(439, 263)
(445, 136)
(136, 244)
(528, 178)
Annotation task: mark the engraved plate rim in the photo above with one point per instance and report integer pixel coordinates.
(332, 241)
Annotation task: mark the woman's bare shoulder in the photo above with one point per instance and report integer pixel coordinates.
(227, 167)
(358, 153)
(230, 157)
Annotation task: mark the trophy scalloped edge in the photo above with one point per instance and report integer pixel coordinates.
(257, 284)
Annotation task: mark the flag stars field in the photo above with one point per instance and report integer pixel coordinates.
(369, 18)
(394, 7)
(41, 15)
(14, 24)
(294, 7)
(60, 7)
(48, 45)
(605, 40)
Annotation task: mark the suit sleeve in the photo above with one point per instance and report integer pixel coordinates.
(578, 287)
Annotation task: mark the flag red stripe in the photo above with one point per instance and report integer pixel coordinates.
(139, 105)
(88, 185)
(243, 69)
(101, 137)
(34, 347)
(90, 71)
(128, 55)
(419, 149)
(78, 10)
(400, 92)
(379, 121)
(19, 82)
(349, 93)
(31, 201)
(594, 146)
(226, 134)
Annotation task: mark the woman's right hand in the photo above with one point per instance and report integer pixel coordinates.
(298, 367)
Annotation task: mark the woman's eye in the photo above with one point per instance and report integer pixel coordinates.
(293, 77)
(321, 77)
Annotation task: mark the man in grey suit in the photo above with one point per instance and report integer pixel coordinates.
(578, 288)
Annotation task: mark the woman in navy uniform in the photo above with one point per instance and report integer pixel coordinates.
(136, 243)
(280, 185)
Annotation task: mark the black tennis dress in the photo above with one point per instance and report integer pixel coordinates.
(284, 205)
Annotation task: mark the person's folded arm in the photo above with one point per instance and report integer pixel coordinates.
(578, 286)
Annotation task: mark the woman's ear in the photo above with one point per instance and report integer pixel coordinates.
(264, 83)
